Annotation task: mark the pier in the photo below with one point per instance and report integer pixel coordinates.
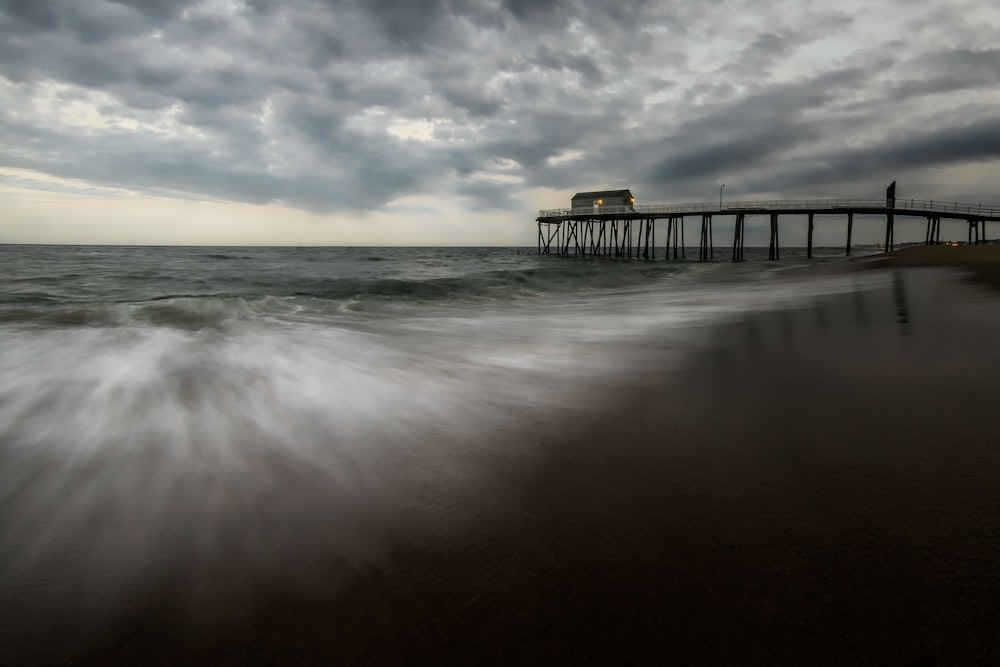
(628, 230)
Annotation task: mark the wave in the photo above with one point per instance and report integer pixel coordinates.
(186, 313)
(225, 256)
(247, 298)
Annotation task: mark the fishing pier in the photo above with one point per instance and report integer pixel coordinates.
(611, 225)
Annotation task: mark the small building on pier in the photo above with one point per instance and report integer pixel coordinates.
(602, 198)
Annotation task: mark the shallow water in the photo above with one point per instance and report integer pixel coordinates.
(193, 419)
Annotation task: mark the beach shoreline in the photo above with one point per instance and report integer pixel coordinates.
(820, 484)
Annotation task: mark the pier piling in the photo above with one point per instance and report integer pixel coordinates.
(850, 228)
(738, 237)
(809, 249)
(888, 231)
(773, 249)
(705, 250)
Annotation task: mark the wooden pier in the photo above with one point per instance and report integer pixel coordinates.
(630, 231)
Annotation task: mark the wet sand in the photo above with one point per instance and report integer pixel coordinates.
(820, 486)
(980, 261)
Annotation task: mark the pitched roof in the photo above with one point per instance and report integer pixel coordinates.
(602, 193)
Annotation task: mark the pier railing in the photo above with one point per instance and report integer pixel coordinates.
(787, 205)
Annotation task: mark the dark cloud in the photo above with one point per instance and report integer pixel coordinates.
(948, 71)
(923, 149)
(582, 64)
(333, 104)
(753, 130)
(465, 94)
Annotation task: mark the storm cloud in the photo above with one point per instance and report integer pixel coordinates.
(327, 105)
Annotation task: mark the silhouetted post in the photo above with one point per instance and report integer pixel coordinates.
(703, 240)
(927, 236)
(890, 204)
(705, 245)
(850, 228)
(888, 232)
(743, 229)
(770, 242)
(773, 251)
(711, 240)
(809, 247)
(683, 243)
(738, 238)
(777, 241)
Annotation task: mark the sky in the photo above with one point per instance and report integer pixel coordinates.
(415, 122)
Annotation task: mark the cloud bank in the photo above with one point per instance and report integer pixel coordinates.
(333, 105)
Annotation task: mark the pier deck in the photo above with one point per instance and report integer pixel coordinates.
(609, 230)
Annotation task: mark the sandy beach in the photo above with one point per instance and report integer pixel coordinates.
(820, 486)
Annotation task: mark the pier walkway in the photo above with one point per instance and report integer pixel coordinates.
(624, 231)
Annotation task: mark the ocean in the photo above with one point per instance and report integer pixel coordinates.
(192, 424)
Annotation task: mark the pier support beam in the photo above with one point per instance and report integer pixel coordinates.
(673, 236)
(850, 228)
(738, 237)
(933, 230)
(705, 249)
(711, 240)
(574, 232)
(974, 237)
(888, 231)
(809, 247)
(773, 248)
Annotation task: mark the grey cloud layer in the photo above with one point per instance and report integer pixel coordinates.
(327, 104)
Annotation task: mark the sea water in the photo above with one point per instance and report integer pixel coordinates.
(193, 419)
